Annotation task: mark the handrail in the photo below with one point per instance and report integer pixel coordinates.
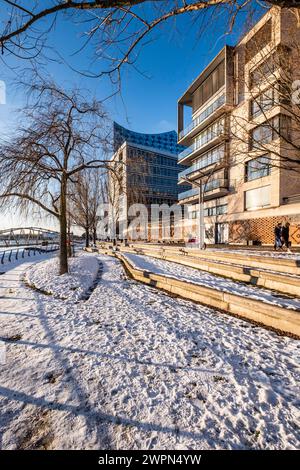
(13, 255)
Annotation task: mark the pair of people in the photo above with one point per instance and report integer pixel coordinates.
(282, 235)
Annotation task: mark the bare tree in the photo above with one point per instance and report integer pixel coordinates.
(84, 202)
(64, 133)
(116, 28)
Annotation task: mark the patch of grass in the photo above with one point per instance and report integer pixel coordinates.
(219, 378)
(12, 338)
(52, 377)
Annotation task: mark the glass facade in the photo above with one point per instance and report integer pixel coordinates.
(263, 71)
(259, 40)
(209, 186)
(189, 193)
(215, 210)
(152, 166)
(165, 141)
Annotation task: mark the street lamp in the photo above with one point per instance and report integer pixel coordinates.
(201, 226)
(202, 187)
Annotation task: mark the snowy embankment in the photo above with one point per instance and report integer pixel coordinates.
(205, 279)
(83, 271)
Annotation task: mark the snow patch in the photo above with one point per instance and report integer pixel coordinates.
(72, 286)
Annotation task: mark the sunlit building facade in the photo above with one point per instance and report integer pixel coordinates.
(236, 135)
(147, 172)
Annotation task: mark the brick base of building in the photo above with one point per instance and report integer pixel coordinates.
(262, 230)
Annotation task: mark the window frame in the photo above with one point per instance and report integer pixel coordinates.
(253, 208)
(268, 167)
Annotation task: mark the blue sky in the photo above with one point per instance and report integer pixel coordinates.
(171, 61)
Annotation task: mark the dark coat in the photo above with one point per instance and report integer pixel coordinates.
(285, 233)
(278, 231)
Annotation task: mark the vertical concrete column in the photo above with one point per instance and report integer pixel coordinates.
(180, 118)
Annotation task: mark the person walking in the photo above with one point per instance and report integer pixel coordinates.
(278, 236)
(285, 235)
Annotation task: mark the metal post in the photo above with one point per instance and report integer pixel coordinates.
(201, 217)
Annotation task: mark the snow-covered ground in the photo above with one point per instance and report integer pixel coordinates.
(243, 251)
(83, 271)
(206, 279)
(132, 368)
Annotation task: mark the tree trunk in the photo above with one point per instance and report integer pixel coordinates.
(87, 237)
(63, 256)
(94, 235)
(69, 246)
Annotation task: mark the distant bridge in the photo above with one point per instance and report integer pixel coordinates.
(27, 236)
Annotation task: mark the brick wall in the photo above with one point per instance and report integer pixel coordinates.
(262, 229)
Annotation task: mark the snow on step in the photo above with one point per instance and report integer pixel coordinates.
(203, 278)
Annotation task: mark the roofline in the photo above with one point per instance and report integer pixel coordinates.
(255, 26)
(144, 147)
(200, 78)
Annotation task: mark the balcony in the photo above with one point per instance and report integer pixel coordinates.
(209, 137)
(209, 96)
(212, 111)
(213, 189)
(191, 193)
(204, 165)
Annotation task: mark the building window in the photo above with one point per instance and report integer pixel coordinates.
(210, 133)
(209, 158)
(264, 71)
(260, 39)
(216, 210)
(262, 103)
(278, 126)
(210, 86)
(257, 168)
(257, 198)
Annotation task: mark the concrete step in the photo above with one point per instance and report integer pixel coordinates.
(280, 282)
(279, 318)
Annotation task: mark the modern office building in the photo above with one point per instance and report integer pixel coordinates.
(243, 141)
(145, 172)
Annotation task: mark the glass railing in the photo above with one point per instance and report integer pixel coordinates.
(189, 193)
(215, 184)
(210, 158)
(204, 115)
(209, 186)
(198, 144)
